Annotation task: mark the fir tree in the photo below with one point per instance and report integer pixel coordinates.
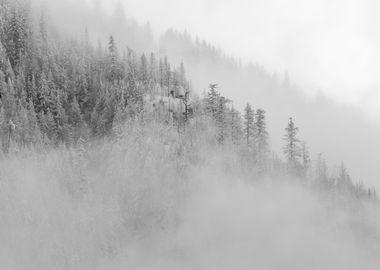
(261, 140)
(220, 118)
(236, 127)
(249, 119)
(16, 34)
(113, 56)
(292, 149)
(212, 101)
(261, 134)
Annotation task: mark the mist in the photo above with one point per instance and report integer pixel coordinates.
(189, 135)
(121, 204)
(334, 107)
(328, 45)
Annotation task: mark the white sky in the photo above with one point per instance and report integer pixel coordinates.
(329, 44)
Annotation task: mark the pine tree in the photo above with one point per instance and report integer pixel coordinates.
(236, 127)
(249, 127)
(113, 64)
(261, 134)
(220, 118)
(291, 149)
(16, 34)
(212, 101)
(261, 141)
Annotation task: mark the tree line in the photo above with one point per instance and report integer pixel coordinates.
(248, 131)
(55, 91)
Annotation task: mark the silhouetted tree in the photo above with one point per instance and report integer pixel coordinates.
(249, 132)
(292, 149)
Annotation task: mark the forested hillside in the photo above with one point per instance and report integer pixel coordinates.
(58, 91)
(338, 131)
(102, 147)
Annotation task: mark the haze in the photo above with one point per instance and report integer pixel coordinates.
(328, 44)
(316, 45)
(111, 157)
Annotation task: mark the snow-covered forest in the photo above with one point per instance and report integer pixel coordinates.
(111, 158)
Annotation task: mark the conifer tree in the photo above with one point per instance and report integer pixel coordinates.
(212, 101)
(249, 119)
(261, 141)
(261, 134)
(113, 64)
(220, 118)
(16, 34)
(236, 127)
(292, 149)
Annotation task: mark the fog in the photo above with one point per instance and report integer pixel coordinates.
(315, 44)
(328, 45)
(325, 45)
(134, 202)
(159, 193)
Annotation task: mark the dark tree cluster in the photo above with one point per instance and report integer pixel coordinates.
(55, 91)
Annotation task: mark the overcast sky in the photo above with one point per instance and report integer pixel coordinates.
(329, 44)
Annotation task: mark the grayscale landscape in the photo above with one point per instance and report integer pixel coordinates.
(186, 134)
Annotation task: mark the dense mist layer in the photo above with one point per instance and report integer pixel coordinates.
(144, 201)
